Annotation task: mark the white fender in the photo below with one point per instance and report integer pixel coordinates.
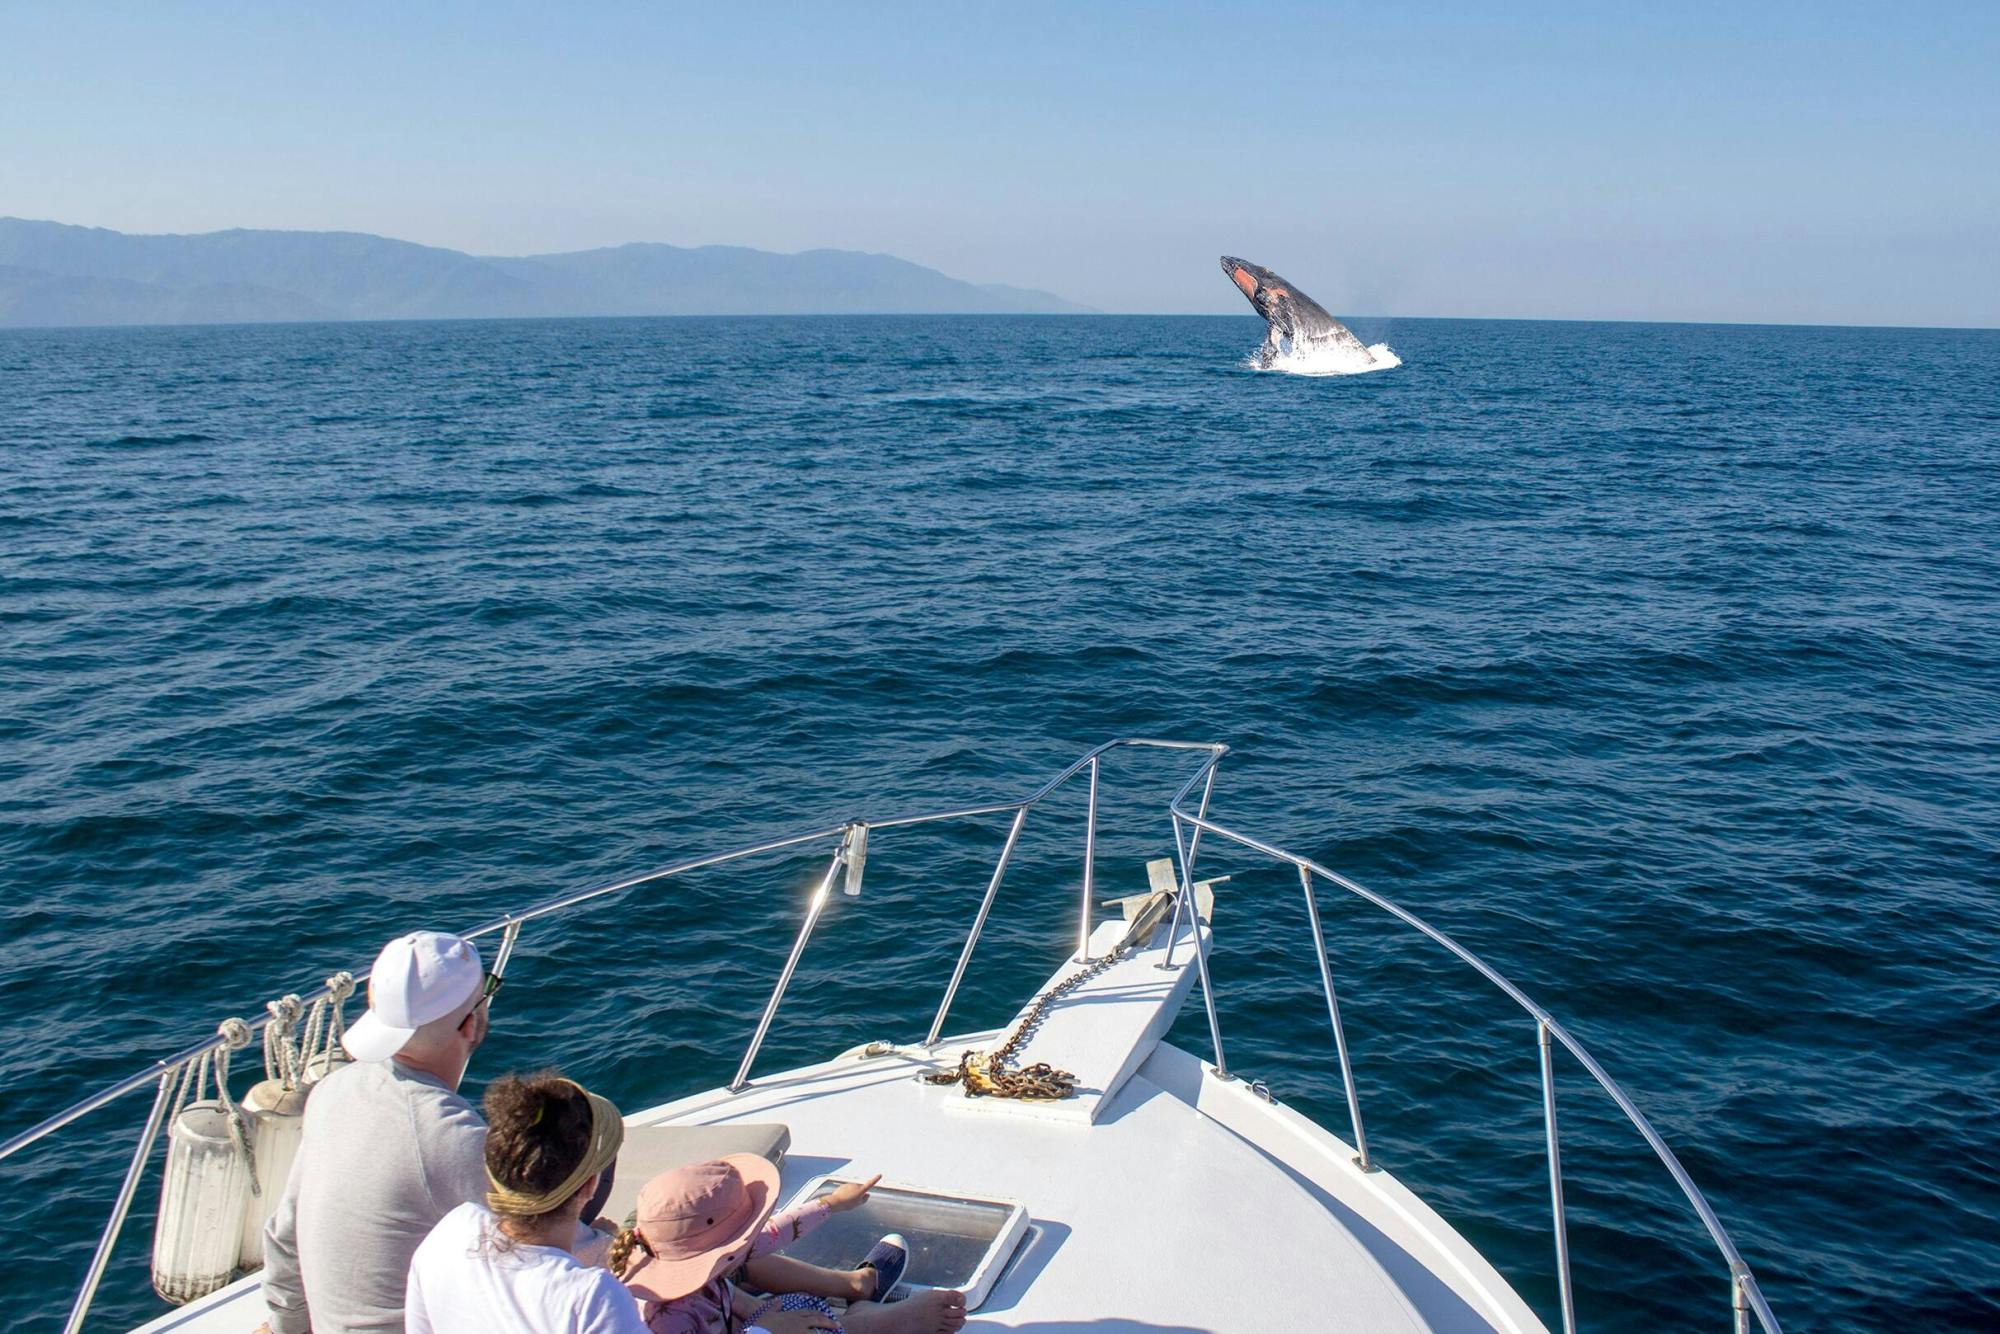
(277, 1117)
(203, 1197)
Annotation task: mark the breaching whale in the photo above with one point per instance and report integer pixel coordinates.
(1298, 323)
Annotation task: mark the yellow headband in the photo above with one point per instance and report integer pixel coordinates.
(607, 1133)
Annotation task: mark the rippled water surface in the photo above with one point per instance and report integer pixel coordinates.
(1656, 663)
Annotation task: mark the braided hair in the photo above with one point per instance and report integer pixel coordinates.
(622, 1246)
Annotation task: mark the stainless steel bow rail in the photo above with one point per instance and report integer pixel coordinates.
(849, 854)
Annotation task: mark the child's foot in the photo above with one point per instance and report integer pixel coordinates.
(933, 1311)
(883, 1268)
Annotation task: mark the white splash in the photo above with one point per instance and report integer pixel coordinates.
(1328, 359)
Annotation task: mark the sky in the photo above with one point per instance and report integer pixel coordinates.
(1768, 162)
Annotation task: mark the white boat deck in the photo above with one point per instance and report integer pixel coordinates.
(1177, 1202)
(1191, 1204)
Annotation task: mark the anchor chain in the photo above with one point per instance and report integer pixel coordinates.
(985, 1074)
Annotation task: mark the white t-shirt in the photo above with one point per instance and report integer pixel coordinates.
(465, 1279)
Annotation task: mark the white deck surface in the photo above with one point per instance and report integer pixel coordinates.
(1158, 1217)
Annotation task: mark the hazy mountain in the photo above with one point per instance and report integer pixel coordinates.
(52, 273)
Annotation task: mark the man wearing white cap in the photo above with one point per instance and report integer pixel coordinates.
(389, 1146)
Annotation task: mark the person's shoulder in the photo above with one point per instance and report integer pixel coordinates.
(345, 1080)
(452, 1237)
(469, 1216)
(353, 1089)
(462, 1224)
(435, 1101)
(603, 1301)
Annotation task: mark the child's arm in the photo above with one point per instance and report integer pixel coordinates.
(788, 1227)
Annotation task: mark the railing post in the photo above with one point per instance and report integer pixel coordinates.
(1333, 1015)
(1556, 1176)
(1200, 948)
(1187, 856)
(1194, 839)
(1739, 1298)
(1089, 867)
(978, 924)
(122, 1205)
(505, 954)
(791, 965)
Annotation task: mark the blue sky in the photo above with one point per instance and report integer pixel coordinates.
(1812, 163)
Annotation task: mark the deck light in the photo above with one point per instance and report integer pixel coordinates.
(854, 850)
(855, 853)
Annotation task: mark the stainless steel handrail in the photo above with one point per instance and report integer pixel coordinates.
(562, 902)
(511, 922)
(813, 910)
(1188, 827)
(1743, 1283)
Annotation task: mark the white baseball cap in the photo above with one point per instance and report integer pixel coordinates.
(423, 976)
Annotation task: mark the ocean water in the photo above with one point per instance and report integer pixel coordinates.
(1656, 663)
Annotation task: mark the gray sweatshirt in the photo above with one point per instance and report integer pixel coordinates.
(387, 1152)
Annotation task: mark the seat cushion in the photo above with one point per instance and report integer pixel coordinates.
(651, 1150)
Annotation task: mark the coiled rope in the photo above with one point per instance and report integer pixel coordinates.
(281, 1049)
(326, 1024)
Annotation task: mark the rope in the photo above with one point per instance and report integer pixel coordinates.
(325, 1025)
(281, 1050)
(235, 1035)
(329, 1025)
(341, 986)
(315, 1024)
(191, 1076)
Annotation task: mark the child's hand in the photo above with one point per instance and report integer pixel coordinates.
(851, 1195)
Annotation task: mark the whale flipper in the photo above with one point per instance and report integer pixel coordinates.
(1293, 316)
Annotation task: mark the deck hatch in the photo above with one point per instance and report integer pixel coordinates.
(956, 1241)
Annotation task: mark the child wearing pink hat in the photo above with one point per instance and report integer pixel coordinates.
(700, 1226)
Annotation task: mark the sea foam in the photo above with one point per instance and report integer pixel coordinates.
(1327, 359)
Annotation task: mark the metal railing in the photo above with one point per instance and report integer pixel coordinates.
(850, 852)
(1746, 1298)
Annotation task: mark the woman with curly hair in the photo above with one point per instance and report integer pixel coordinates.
(505, 1266)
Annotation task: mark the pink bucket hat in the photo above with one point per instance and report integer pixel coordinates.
(696, 1223)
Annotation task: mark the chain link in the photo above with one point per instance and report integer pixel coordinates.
(985, 1074)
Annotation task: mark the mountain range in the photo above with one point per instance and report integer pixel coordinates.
(52, 273)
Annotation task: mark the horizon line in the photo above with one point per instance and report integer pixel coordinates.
(1250, 317)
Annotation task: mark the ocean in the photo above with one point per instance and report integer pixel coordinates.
(1657, 663)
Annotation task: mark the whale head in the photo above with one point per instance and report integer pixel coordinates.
(1271, 295)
